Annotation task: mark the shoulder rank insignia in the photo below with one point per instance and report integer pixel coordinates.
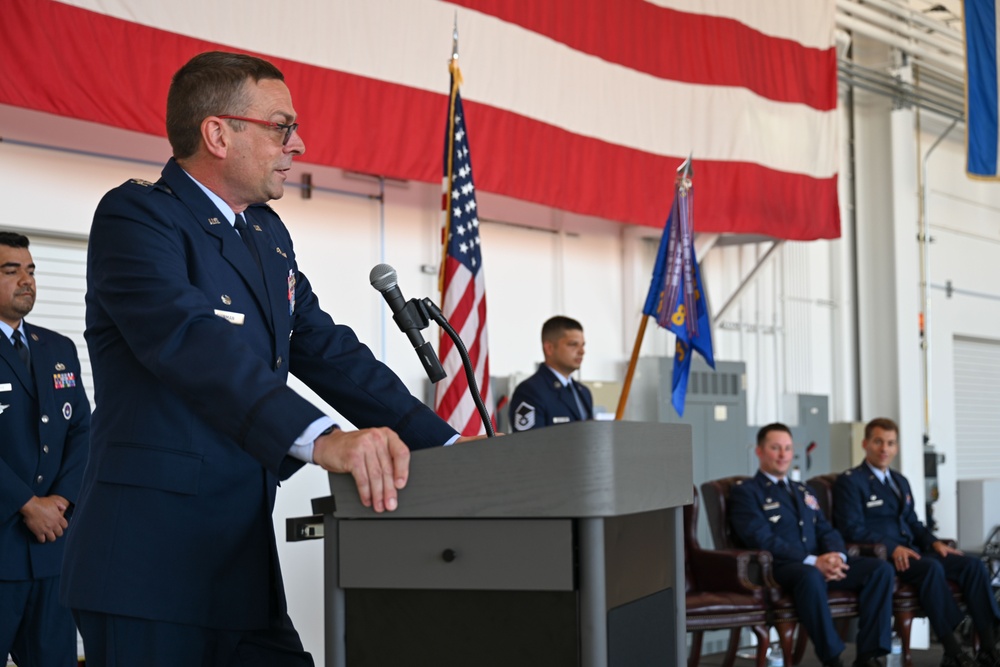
(524, 417)
(141, 181)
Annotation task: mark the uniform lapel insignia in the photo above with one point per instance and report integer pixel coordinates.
(281, 252)
(213, 221)
(34, 337)
(226, 299)
(257, 228)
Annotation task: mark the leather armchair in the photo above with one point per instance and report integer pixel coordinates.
(905, 597)
(720, 594)
(782, 615)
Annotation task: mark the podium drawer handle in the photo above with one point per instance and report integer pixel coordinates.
(448, 555)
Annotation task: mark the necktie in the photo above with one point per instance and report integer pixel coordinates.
(241, 227)
(887, 481)
(579, 403)
(22, 350)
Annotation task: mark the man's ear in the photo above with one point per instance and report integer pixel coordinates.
(547, 348)
(216, 134)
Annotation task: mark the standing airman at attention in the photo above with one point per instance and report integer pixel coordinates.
(44, 432)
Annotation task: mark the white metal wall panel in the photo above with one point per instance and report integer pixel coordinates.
(977, 408)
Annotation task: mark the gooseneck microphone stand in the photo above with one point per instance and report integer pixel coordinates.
(418, 313)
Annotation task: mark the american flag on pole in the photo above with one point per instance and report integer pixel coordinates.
(463, 286)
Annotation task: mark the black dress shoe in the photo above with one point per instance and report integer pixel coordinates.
(987, 659)
(870, 661)
(960, 659)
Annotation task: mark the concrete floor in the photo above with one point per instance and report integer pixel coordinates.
(921, 658)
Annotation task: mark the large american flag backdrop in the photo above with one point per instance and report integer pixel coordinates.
(583, 105)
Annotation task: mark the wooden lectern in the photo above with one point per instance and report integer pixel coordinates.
(558, 546)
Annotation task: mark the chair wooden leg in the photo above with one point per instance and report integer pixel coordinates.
(763, 641)
(786, 633)
(904, 624)
(800, 646)
(694, 657)
(734, 644)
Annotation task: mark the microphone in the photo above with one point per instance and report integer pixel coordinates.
(408, 317)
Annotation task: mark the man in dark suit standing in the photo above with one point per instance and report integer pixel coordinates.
(768, 512)
(874, 504)
(551, 395)
(44, 427)
(197, 311)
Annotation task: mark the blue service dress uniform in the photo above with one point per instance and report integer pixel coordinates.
(44, 434)
(866, 510)
(192, 343)
(543, 400)
(791, 526)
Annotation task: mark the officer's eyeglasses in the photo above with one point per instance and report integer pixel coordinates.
(286, 128)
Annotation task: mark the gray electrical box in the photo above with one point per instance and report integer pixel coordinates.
(808, 417)
(716, 409)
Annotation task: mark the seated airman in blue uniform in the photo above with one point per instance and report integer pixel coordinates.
(875, 504)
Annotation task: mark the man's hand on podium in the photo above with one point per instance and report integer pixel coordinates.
(473, 438)
(376, 458)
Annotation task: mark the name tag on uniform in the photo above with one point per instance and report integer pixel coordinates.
(234, 318)
(875, 503)
(560, 420)
(6, 386)
(771, 506)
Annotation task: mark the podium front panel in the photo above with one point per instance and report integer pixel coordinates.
(457, 554)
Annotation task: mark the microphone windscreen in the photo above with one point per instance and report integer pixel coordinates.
(382, 277)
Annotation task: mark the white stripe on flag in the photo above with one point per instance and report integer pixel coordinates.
(394, 40)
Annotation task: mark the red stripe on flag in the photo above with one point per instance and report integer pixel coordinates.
(659, 41)
(50, 65)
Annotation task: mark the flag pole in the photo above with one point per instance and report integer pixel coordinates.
(684, 172)
(456, 82)
(627, 386)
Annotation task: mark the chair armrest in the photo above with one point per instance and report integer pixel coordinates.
(729, 570)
